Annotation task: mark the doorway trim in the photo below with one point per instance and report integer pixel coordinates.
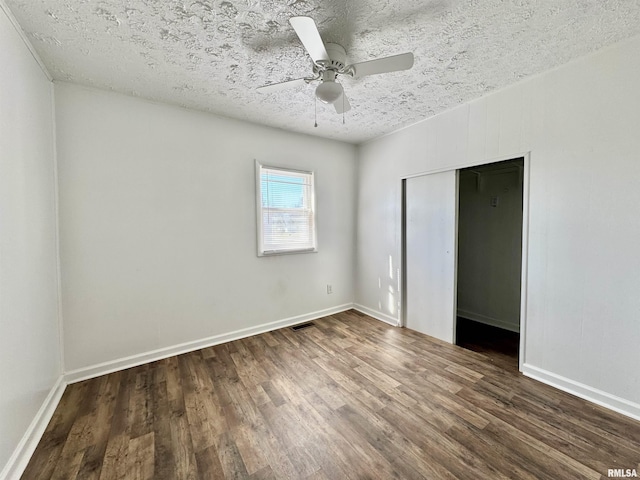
(525, 240)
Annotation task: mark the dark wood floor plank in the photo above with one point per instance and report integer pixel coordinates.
(349, 397)
(208, 464)
(72, 452)
(338, 457)
(250, 450)
(183, 452)
(440, 450)
(57, 432)
(589, 433)
(68, 467)
(116, 458)
(555, 460)
(99, 426)
(202, 435)
(114, 464)
(141, 457)
(175, 395)
(519, 423)
(272, 448)
(272, 392)
(508, 461)
(164, 462)
(359, 450)
(207, 398)
(232, 464)
(140, 414)
(186, 467)
(249, 370)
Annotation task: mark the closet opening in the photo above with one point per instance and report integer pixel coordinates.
(489, 260)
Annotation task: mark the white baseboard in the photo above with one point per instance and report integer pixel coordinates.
(161, 353)
(19, 460)
(494, 322)
(599, 397)
(383, 317)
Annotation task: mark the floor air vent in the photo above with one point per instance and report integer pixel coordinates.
(302, 325)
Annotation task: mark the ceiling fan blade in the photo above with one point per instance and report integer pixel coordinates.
(309, 35)
(342, 104)
(404, 61)
(276, 87)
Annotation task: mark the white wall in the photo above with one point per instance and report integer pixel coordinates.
(158, 226)
(580, 123)
(490, 245)
(29, 340)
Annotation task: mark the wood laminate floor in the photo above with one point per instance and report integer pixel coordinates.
(498, 345)
(347, 398)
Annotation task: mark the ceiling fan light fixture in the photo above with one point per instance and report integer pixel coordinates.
(329, 91)
(330, 61)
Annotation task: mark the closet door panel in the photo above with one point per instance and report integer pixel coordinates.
(430, 240)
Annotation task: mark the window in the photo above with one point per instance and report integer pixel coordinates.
(286, 211)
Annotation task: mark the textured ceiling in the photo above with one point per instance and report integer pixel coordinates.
(211, 55)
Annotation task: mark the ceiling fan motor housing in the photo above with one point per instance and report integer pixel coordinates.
(337, 56)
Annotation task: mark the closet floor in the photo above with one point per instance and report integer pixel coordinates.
(498, 345)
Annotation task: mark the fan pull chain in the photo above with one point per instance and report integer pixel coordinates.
(315, 113)
(343, 108)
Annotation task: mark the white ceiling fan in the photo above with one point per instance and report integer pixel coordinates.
(329, 61)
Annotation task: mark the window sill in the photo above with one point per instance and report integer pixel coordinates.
(271, 253)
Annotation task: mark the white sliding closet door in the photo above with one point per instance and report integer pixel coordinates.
(430, 256)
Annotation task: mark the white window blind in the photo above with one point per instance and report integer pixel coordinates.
(286, 211)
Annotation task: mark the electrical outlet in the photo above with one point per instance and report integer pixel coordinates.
(329, 289)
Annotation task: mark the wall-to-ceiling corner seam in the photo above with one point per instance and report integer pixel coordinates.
(56, 203)
(356, 213)
(7, 11)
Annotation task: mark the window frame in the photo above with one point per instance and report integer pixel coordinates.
(262, 252)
